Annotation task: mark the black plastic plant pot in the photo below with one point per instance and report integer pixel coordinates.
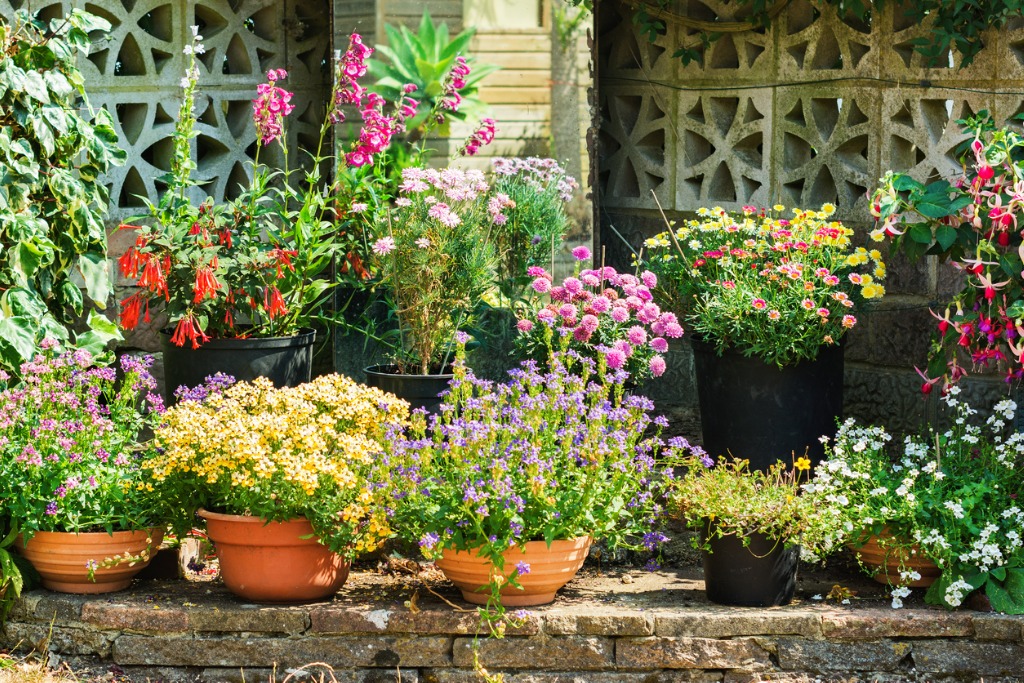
(761, 574)
(762, 413)
(285, 361)
(421, 391)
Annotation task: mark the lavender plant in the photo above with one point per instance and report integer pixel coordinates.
(68, 435)
(557, 452)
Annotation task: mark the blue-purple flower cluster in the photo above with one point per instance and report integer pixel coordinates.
(68, 440)
(556, 452)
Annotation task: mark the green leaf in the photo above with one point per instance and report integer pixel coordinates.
(96, 273)
(17, 339)
(946, 236)
(102, 332)
(1016, 309)
(35, 86)
(1003, 599)
(44, 135)
(56, 117)
(904, 183)
(920, 233)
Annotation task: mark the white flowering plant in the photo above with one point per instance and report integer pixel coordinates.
(951, 495)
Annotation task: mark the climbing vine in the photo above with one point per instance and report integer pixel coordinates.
(955, 24)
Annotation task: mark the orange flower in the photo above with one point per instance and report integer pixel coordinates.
(131, 307)
(274, 303)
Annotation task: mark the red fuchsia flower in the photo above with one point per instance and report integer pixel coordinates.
(153, 277)
(131, 310)
(188, 330)
(206, 285)
(273, 303)
(270, 108)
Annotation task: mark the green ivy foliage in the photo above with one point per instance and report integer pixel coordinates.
(53, 150)
(955, 24)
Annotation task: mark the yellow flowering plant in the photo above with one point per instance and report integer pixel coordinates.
(728, 498)
(767, 286)
(308, 451)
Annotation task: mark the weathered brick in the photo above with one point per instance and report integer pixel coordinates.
(60, 607)
(997, 627)
(735, 623)
(690, 653)
(886, 623)
(975, 659)
(24, 607)
(469, 676)
(298, 675)
(819, 656)
(60, 639)
(599, 624)
(377, 651)
(581, 653)
(249, 620)
(339, 620)
(450, 622)
(123, 617)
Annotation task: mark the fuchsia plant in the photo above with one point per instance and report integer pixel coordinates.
(602, 314)
(973, 225)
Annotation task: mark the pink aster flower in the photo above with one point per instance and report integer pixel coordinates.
(590, 322)
(541, 285)
(636, 335)
(581, 253)
(620, 314)
(572, 285)
(657, 366)
(615, 359)
(600, 304)
(384, 246)
(524, 325)
(649, 278)
(659, 344)
(673, 330)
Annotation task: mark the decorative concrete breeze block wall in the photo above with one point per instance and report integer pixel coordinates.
(813, 110)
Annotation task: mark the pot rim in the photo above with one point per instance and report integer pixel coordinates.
(243, 519)
(379, 369)
(304, 337)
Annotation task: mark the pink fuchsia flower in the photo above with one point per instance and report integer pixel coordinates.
(384, 246)
(541, 285)
(620, 314)
(581, 253)
(615, 359)
(656, 366)
(636, 335)
(649, 278)
(524, 325)
(659, 344)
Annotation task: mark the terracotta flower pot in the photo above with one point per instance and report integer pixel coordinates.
(886, 562)
(62, 558)
(550, 569)
(273, 562)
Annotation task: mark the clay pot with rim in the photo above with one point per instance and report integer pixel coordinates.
(275, 561)
(550, 569)
(886, 562)
(62, 558)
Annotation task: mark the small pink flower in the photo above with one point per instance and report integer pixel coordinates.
(545, 315)
(620, 314)
(649, 278)
(537, 271)
(615, 359)
(600, 304)
(581, 253)
(384, 246)
(648, 313)
(759, 304)
(636, 335)
(659, 344)
(657, 366)
(849, 321)
(590, 322)
(590, 280)
(572, 285)
(582, 334)
(568, 311)
(524, 325)
(541, 285)
(673, 330)
(625, 347)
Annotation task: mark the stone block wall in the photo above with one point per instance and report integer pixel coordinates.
(564, 643)
(813, 110)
